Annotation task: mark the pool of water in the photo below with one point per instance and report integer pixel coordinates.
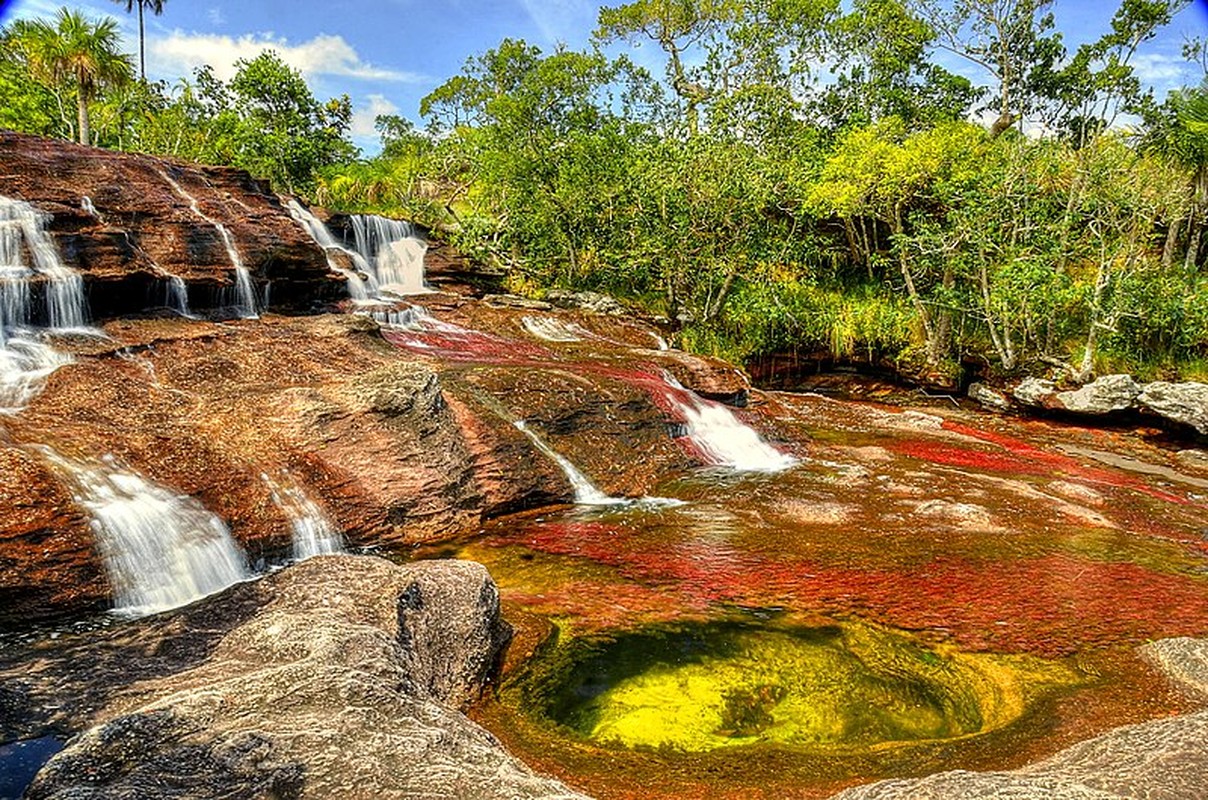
(20, 762)
(920, 593)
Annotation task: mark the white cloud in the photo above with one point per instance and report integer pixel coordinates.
(1159, 69)
(178, 53)
(364, 116)
(217, 18)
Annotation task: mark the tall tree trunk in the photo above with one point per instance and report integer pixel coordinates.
(1172, 240)
(911, 291)
(1193, 246)
(1001, 341)
(82, 117)
(142, 45)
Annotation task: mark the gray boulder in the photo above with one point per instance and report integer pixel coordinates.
(515, 301)
(1185, 403)
(588, 301)
(1102, 395)
(338, 677)
(990, 398)
(1035, 392)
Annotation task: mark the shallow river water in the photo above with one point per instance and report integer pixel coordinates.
(925, 590)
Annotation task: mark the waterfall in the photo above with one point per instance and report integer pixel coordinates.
(245, 294)
(88, 207)
(387, 254)
(161, 550)
(23, 229)
(313, 532)
(176, 296)
(28, 256)
(721, 437)
(585, 493)
(392, 252)
(25, 364)
(323, 238)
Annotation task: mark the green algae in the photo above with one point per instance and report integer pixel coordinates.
(831, 687)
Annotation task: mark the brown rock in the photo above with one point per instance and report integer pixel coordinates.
(145, 229)
(47, 561)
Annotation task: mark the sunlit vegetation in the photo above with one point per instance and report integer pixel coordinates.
(801, 177)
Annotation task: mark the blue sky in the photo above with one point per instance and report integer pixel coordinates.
(388, 54)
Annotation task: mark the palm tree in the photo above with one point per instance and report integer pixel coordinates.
(157, 8)
(78, 53)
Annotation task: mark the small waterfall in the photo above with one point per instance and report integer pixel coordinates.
(15, 301)
(161, 550)
(721, 437)
(552, 330)
(323, 238)
(25, 361)
(313, 533)
(88, 207)
(25, 364)
(411, 318)
(245, 294)
(23, 229)
(393, 253)
(585, 493)
(176, 296)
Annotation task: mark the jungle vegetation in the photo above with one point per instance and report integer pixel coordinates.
(803, 176)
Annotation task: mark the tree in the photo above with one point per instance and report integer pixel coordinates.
(282, 132)
(1011, 39)
(157, 8)
(73, 53)
(677, 26)
(25, 104)
(880, 61)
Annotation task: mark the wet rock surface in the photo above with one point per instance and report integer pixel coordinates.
(397, 446)
(144, 230)
(341, 676)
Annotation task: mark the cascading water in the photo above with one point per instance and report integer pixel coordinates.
(176, 295)
(245, 293)
(721, 437)
(23, 229)
(392, 252)
(161, 550)
(25, 364)
(314, 226)
(313, 532)
(585, 493)
(25, 361)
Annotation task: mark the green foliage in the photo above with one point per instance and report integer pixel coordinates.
(757, 202)
(73, 58)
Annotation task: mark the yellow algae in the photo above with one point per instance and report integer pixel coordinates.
(832, 687)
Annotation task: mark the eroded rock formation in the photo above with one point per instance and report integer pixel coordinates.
(339, 677)
(1163, 759)
(147, 219)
